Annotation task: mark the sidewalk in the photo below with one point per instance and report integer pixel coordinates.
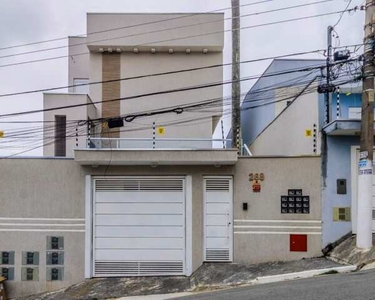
(208, 277)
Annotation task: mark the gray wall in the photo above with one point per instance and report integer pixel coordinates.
(254, 119)
(46, 197)
(158, 30)
(48, 190)
(286, 134)
(264, 212)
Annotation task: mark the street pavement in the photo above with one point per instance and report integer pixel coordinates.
(353, 286)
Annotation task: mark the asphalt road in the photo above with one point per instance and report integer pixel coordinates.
(353, 286)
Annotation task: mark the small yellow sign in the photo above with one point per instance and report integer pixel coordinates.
(308, 133)
(161, 130)
(1, 133)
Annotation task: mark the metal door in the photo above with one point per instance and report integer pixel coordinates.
(218, 219)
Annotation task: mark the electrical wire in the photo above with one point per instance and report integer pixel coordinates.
(134, 25)
(163, 30)
(191, 36)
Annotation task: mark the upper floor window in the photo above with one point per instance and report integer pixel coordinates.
(83, 89)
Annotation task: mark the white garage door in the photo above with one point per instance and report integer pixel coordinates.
(139, 227)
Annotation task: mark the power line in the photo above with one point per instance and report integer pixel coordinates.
(162, 30)
(168, 72)
(247, 108)
(132, 26)
(177, 90)
(187, 37)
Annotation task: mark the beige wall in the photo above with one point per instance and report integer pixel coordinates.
(195, 124)
(262, 233)
(47, 197)
(55, 189)
(157, 30)
(286, 134)
(78, 63)
(73, 115)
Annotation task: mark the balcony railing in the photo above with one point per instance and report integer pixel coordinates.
(156, 143)
(162, 143)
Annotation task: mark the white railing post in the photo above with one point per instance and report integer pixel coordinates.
(153, 135)
(338, 103)
(88, 135)
(222, 133)
(77, 137)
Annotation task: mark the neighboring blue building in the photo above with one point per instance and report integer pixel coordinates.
(278, 115)
(339, 213)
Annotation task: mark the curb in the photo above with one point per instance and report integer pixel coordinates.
(303, 274)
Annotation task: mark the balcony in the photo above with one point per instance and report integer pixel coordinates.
(156, 151)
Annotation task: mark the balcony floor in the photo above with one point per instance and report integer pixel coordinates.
(155, 157)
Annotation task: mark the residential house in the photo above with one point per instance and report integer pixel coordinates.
(130, 183)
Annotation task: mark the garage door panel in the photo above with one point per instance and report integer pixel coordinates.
(216, 231)
(139, 255)
(139, 197)
(140, 243)
(216, 219)
(217, 208)
(141, 231)
(136, 220)
(217, 197)
(138, 208)
(217, 243)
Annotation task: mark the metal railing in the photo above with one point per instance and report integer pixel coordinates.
(156, 143)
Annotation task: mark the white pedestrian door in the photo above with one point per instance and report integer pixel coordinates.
(218, 198)
(139, 227)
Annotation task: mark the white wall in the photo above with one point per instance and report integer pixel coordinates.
(286, 134)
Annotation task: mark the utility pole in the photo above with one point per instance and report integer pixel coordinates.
(329, 58)
(236, 84)
(364, 211)
(326, 89)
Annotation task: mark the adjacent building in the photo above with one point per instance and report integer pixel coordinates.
(291, 122)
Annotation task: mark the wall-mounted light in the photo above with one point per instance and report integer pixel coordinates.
(170, 51)
(136, 50)
(110, 50)
(205, 51)
(101, 50)
(188, 51)
(118, 50)
(153, 50)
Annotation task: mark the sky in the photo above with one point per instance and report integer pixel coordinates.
(27, 21)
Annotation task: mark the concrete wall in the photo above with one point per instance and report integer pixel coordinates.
(73, 116)
(254, 120)
(41, 198)
(47, 196)
(157, 30)
(196, 124)
(262, 233)
(286, 134)
(78, 63)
